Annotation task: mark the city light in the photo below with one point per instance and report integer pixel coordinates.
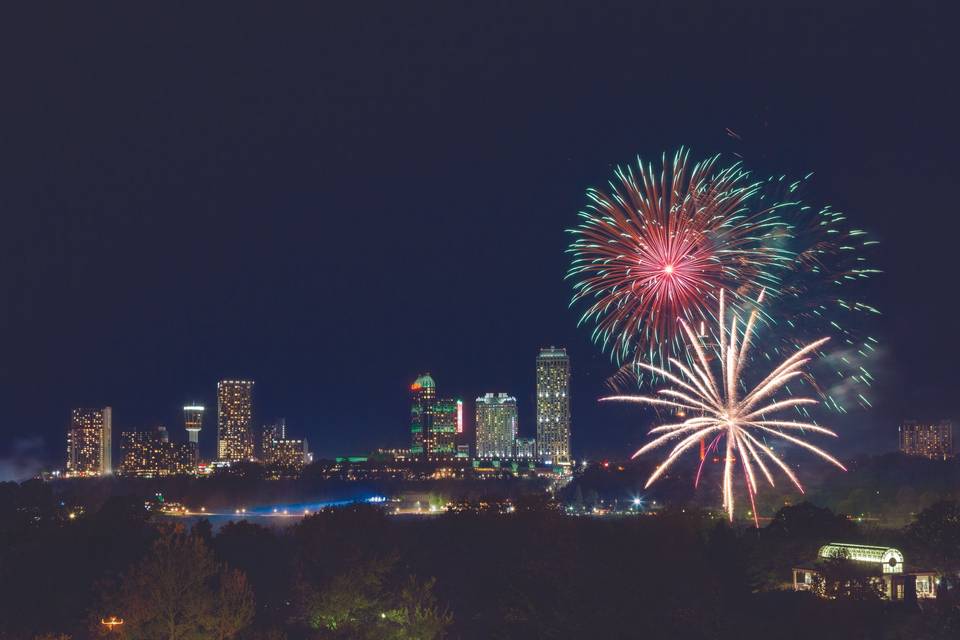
(111, 623)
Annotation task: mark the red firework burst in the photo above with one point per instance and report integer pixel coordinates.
(651, 251)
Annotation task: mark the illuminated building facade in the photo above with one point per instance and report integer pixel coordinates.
(883, 566)
(496, 426)
(933, 441)
(150, 454)
(284, 458)
(553, 406)
(234, 420)
(289, 456)
(276, 431)
(440, 442)
(193, 421)
(90, 442)
(423, 394)
(525, 449)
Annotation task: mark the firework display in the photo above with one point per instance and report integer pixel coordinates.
(657, 248)
(726, 409)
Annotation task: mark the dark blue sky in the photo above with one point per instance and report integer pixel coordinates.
(329, 200)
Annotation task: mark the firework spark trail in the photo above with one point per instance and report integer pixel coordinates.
(720, 411)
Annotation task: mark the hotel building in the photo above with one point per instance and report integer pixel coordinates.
(423, 394)
(150, 454)
(496, 426)
(90, 442)
(234, 420)
(929, 440)
(553, 406)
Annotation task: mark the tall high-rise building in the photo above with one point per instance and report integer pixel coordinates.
(90, 442)
(193, 421)
(423, 394)
(553, 406)
(496, 426)
(928, 440)
(234, 420)
(440, 442)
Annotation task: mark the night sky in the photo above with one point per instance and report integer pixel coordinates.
(329, 199)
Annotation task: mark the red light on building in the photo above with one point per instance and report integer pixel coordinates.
(415, 386)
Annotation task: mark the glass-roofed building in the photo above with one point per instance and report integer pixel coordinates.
(884, 566)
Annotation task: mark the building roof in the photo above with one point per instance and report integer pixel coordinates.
(890, 558)
(424, 382)
(552, 352)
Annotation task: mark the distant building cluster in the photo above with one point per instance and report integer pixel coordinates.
(439, 443)
(153, 453)
(929, 440)
(436, 426)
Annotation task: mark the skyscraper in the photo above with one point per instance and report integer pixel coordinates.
(90, 442)
(423, 393)
(928, 440)
(193, 421)
(234, 418)
(441, 438)
(553, 406)
(496, 426)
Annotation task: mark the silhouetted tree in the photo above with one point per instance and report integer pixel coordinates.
(178, 591)
(936, 533)
(368, 598)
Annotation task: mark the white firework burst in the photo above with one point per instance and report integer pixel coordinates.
(719, 410)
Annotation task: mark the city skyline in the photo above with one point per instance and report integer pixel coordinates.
(255, 438)
(437, 427)
(140, 273)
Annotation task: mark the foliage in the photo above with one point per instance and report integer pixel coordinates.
(365, 601)
(536, 573)
(936, 531)
(179, 592)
